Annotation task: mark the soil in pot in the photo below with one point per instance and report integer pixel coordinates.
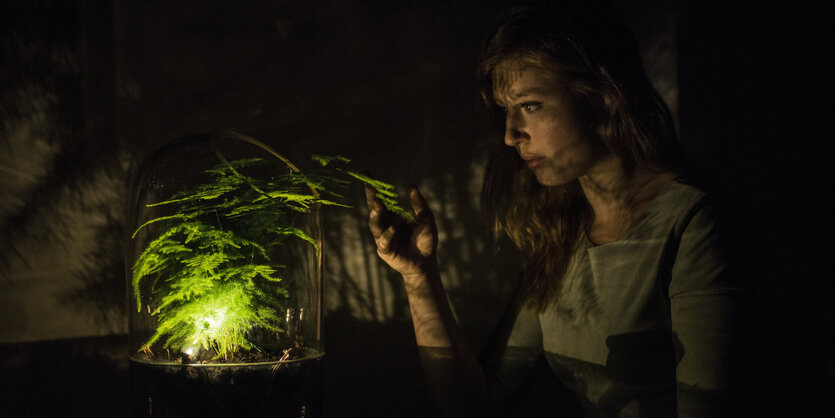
(289, 388)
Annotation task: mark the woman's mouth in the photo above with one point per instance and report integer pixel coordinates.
(533, 161)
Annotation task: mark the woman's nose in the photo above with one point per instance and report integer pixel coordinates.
(514, 129)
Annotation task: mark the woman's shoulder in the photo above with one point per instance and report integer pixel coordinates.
(682, 191)
(678, 198)
(690, 206)
(683, 204)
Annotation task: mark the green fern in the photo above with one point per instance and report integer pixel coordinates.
(384, 192)
(212, 281)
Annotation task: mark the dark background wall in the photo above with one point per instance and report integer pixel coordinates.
(755, 110)
(89, 87)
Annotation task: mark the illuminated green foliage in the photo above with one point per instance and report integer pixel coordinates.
(208, 273)
(385, 192)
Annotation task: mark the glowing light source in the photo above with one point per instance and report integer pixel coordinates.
(212, 323)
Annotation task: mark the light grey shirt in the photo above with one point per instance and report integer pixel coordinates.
(649, 325)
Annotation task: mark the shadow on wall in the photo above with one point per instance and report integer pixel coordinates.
(60, 201)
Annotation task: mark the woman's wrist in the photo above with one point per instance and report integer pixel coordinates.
(416, 282)
(422, 274)
(419, 281)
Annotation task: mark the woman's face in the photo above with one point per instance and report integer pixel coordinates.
(542, 124)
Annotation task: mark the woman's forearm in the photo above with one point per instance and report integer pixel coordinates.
(452, 371)
(431, 315)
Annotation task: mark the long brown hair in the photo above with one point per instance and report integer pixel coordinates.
(589, 49)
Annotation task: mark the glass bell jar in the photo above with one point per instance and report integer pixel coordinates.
(224, 271)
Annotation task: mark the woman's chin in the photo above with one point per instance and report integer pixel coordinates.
(549, 178)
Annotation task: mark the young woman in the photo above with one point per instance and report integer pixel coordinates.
(628, 292)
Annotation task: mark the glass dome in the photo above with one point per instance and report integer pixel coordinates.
(224, 270)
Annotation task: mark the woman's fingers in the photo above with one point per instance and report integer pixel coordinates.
(370, 196)
(386, 226)
(385, 239)
(422, 211)
(383, 224)
(375, 219)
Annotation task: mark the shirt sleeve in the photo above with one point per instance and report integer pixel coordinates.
(708, 319)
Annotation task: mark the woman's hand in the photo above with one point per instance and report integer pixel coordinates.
(408, 247)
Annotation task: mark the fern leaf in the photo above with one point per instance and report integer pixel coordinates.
(324, 160)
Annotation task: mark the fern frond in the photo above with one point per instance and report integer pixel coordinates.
(294, 200)
(291, 230)
(332, 203)
(222, 170)
(324, 160)
(380, 186)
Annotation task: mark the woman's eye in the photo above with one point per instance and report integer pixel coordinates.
(531, 106)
